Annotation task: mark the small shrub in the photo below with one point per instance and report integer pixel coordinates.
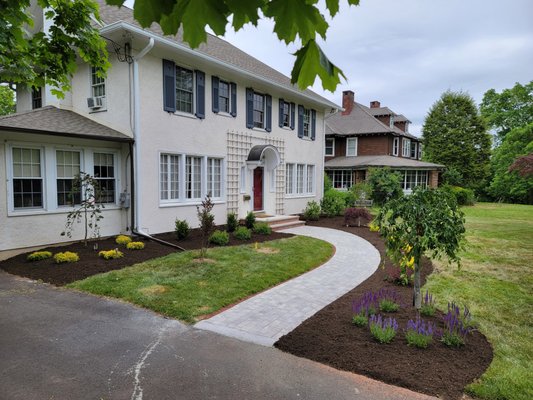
(312, 211)
(428, 305)
(386, 305)
(262, 228)
(249, 221)
(232, 222)
(39, 255)
(220, 238)
(328, 184)
(360, 320)
(464, 197)
(66, 257)
(388, 299)
(419, 333)
(386, 184)
(354, 215)
(333, 203)
(456, 326)
(111, 254)
(373, 226)
(383, 330)
(362, 191)
(181, 229)
(135, 246)
(363, 308)
(349, 198)
(122, 239)
(242, 233)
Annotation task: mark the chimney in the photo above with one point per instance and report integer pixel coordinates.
(347, 102)
(375, 104)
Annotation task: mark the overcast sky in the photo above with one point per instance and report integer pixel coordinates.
(405, 53)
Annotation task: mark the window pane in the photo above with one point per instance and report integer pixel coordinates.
(223, 96)
(289, 178)
(307, 123)
(300, 178)
(310, 178)
(184, 90)
(259, 110)
(104, 173)
(193, 169)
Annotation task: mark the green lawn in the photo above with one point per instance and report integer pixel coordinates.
(496, 282)
(183, 287)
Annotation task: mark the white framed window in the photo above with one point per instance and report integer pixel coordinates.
(406, 147)
(329, 149)
(414, 178)
(193, 177)
(395, 146)
(341, 179)
(36, 97)
(259, 110)
(391, 122)
(224, 96)
(184, 90)
(68, 165)
(286, 114)
(307, 123)
(419, 151)
(214, 177)
(28, 183)
(97, 83)
(351, 147)
(104, 173)
(413, 150)
(299, 179)
(169, 179)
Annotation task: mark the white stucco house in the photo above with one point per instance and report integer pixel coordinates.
(166, 127)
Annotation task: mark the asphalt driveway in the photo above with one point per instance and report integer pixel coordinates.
(59, 344)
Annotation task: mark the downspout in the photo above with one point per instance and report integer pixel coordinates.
(135, 176)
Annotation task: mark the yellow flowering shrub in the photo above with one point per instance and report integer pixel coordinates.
(39, 255)
(111, 254)
(66, 257)
(135, 246)
(123, 239)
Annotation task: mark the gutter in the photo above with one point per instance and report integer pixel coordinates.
(135, 176)
(124, 25)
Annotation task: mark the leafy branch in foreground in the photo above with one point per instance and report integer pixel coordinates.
(295, 21)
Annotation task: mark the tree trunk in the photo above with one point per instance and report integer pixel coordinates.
(417, 296)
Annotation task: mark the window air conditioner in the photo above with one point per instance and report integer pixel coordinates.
(95, 102)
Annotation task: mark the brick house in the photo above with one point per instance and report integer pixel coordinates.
(361, 137)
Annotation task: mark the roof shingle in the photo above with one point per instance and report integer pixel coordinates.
(379, 161)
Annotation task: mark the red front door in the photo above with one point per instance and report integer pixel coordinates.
(258, 189)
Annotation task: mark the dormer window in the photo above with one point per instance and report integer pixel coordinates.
(419, 151)
(406, 148)
(413, 150)
(351, 147)
(391, 121)
(395, 146)
(36, 98)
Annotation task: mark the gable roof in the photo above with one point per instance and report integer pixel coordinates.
(51, 120)
(214, 48)
(360, 121)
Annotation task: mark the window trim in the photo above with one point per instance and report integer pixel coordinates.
(263, 111)
(332, 147)
(406, 147)
(208, 190)
(56, 177)
(11, 179)
(350, 139)
(293, 167)
(395, 146)
(344, 172)
(193, 91)
(416, 182)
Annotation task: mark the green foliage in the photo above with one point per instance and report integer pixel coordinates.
(111, 254)
(386, 184)
(361, 191)
(360, 320)
(66, 257)
(207, 222)
(39, 59)
(249, 221)
(328, 184)
(354, 215)
(427, 310)
(39, 255)
(181, 229)
(232, 222)
(454, 134)
(122, 239)
(89, 210)
(220, 238)
(295, 21)
(135, 246)
(452, 177)
(387, 305)
(7, 100)
(510, 109)
(333, 203)
(262, 228)
(383, 330)
(506, 185)
(426, 222)
(242, 233)
(463, 196)
(312, 211)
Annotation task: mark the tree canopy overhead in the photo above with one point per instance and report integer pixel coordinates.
(512, 108)
(7, 100)
(454, 134)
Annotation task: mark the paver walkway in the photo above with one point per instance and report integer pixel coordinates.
(264, 318)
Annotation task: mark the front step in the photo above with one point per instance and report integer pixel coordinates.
(280, 222)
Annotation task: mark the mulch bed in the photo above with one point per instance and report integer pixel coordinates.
(330, 338)
(90, 264)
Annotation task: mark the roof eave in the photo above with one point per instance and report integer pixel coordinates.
(124, 25)
(66, 134)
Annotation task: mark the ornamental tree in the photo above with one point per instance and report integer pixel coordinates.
(7, 100)
(426, 222)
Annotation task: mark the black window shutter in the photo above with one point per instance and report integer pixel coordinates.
(249, 108)
(169, 86)
(268, 119)
(214, 84)
(313, 124)
(233, 88)
(300, 121)
(293, 108)
(281, 102)
(200, 94)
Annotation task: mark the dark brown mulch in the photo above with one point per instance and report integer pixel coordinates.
(330, 338)
(90, 264)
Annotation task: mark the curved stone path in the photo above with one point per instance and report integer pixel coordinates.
(264, 318)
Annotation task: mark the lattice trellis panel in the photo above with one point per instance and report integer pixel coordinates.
(238, 146)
